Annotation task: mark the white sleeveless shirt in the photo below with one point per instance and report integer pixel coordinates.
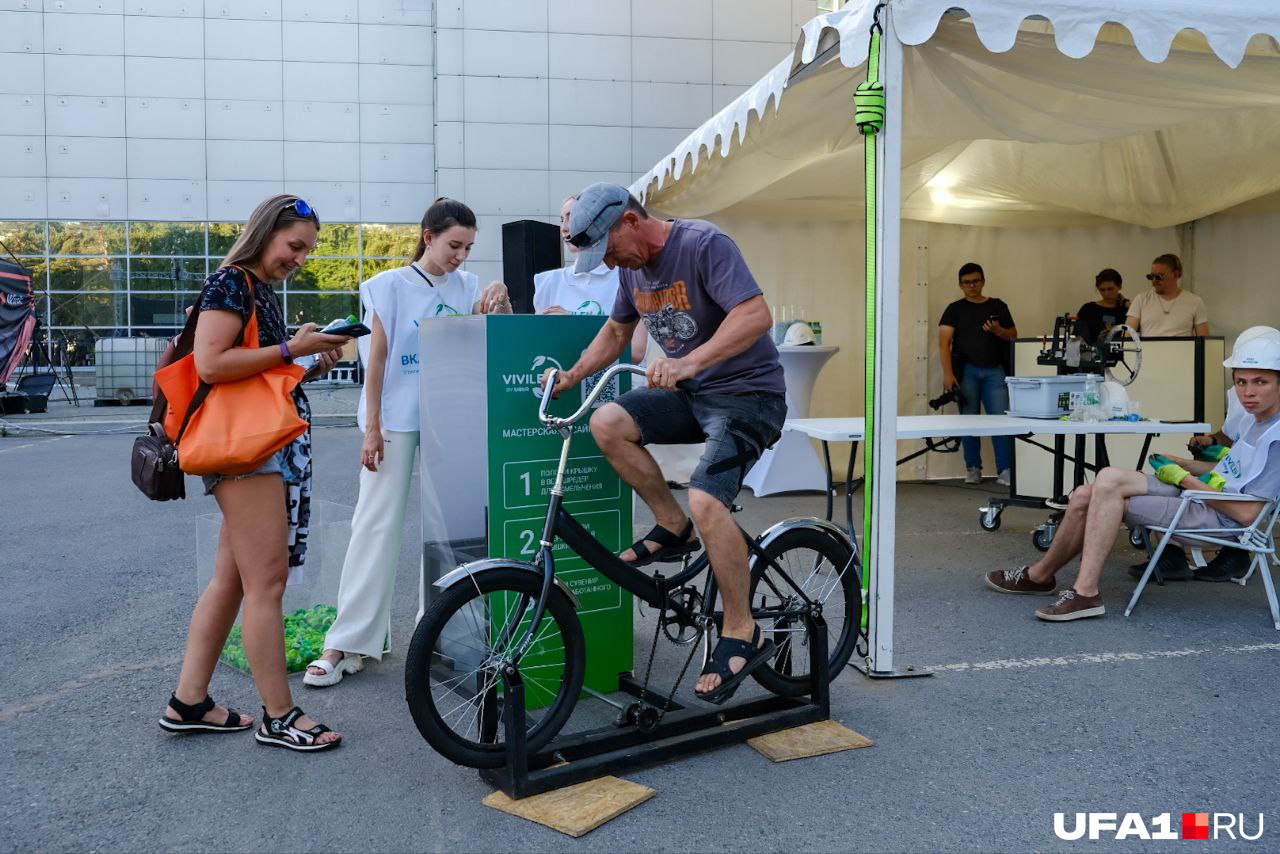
(402, 297)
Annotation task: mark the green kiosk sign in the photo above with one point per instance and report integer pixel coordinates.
(522, 460)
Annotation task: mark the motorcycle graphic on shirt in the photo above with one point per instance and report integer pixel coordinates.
(670, 327)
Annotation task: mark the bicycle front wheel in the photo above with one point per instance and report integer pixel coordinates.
(804, 564)
(453, 671)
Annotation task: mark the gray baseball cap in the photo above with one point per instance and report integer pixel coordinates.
(598, 209)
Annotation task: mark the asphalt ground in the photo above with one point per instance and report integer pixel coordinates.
(1169, 711)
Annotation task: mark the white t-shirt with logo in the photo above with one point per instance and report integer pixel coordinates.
(1159, 316)
(576, 293)
(402, 297)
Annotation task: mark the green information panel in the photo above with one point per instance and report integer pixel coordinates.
(523, 456)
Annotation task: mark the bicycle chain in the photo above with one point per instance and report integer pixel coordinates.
(653, 652)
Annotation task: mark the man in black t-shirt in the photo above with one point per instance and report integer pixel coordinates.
(973, 342)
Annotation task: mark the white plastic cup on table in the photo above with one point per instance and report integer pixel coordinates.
(1133, 411)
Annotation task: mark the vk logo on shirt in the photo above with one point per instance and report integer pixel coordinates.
(410, 359)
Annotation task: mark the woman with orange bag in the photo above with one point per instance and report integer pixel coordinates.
(265, 511)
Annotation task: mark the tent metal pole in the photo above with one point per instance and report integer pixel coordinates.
(884, 468)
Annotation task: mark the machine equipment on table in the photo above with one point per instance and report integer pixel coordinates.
(1115, 355)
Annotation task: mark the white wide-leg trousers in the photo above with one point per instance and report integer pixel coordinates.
(363, 624)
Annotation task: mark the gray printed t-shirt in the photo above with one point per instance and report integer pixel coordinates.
(683, 296)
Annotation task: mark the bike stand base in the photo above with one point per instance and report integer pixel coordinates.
(604, 751)
(609, 750)
(908, 672)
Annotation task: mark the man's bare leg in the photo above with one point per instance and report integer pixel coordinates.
(618, 436)
(728, 553)
(1068, 540)
(1112, 488)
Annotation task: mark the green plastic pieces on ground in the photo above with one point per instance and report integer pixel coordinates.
(304, 632)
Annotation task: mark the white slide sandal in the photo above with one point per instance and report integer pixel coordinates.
(333, 673)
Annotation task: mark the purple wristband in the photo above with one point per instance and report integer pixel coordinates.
(284, 352)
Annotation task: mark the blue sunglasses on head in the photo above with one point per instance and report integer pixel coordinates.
(301, 208)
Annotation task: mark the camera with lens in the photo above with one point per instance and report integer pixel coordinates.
(951, 395)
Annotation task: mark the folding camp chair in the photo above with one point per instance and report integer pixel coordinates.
(1258, 539)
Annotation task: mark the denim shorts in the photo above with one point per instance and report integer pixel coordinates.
(736, 427)
(273, 465)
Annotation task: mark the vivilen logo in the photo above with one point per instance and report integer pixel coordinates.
(1195, 825)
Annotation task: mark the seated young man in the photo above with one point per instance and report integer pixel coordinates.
(1092, 519)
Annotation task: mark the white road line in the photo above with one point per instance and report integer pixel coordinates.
(7, 448)
(1095, 658)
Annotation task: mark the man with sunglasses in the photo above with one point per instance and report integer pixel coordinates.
(1167, 309)
(689, 283)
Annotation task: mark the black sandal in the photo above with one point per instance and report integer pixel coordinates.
(281, 732)
(191, 718)
(671, 547)
(726, 649)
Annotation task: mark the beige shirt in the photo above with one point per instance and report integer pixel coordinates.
(1157, 316)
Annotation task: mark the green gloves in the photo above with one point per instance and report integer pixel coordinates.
(1167, 470)
(1212, 453)
(1214, 481)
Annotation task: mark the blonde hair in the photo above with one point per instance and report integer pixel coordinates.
(267, 218)
(1173, 262)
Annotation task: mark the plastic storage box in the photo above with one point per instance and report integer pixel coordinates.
(125, 368)
(1044, 397)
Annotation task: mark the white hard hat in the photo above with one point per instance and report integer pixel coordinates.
(1261, 352)
(1254, 332)
(798, 333)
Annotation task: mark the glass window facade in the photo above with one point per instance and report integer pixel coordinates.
(126, 279)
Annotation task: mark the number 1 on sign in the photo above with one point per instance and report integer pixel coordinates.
(525, 478)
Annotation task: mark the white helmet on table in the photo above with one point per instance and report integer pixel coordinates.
(798, 333)
(1261, 352)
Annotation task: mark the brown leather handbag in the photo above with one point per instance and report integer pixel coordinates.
(154, 461)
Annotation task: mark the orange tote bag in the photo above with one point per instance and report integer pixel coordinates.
(232, 427)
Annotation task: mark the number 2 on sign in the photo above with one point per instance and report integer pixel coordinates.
(528, 538)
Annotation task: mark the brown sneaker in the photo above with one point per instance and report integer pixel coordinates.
(1072, 606)
(1018, 581)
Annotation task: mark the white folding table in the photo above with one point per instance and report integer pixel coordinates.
(928, 427)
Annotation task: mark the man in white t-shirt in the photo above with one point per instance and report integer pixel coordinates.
(566, 291)
(1167, 309)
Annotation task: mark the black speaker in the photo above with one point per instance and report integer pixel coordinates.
(528, 248)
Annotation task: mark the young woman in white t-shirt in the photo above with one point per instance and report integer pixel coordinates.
(394, 301)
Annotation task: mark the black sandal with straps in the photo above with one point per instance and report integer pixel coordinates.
(191, 718)
(754, 654)
(281, 732)
(671, 547)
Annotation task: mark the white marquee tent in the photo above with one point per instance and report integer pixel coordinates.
(1055, 135)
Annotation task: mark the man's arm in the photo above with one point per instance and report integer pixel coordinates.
(1202, 329)
(1133, 323)
(603, 351)
(740, 329)
(945, 336)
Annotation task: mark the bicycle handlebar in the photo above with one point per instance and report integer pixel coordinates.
(607, 377)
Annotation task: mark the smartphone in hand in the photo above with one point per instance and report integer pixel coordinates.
(350, 329)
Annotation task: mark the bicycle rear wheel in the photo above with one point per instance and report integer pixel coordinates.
(811, 563)
(453, 671)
